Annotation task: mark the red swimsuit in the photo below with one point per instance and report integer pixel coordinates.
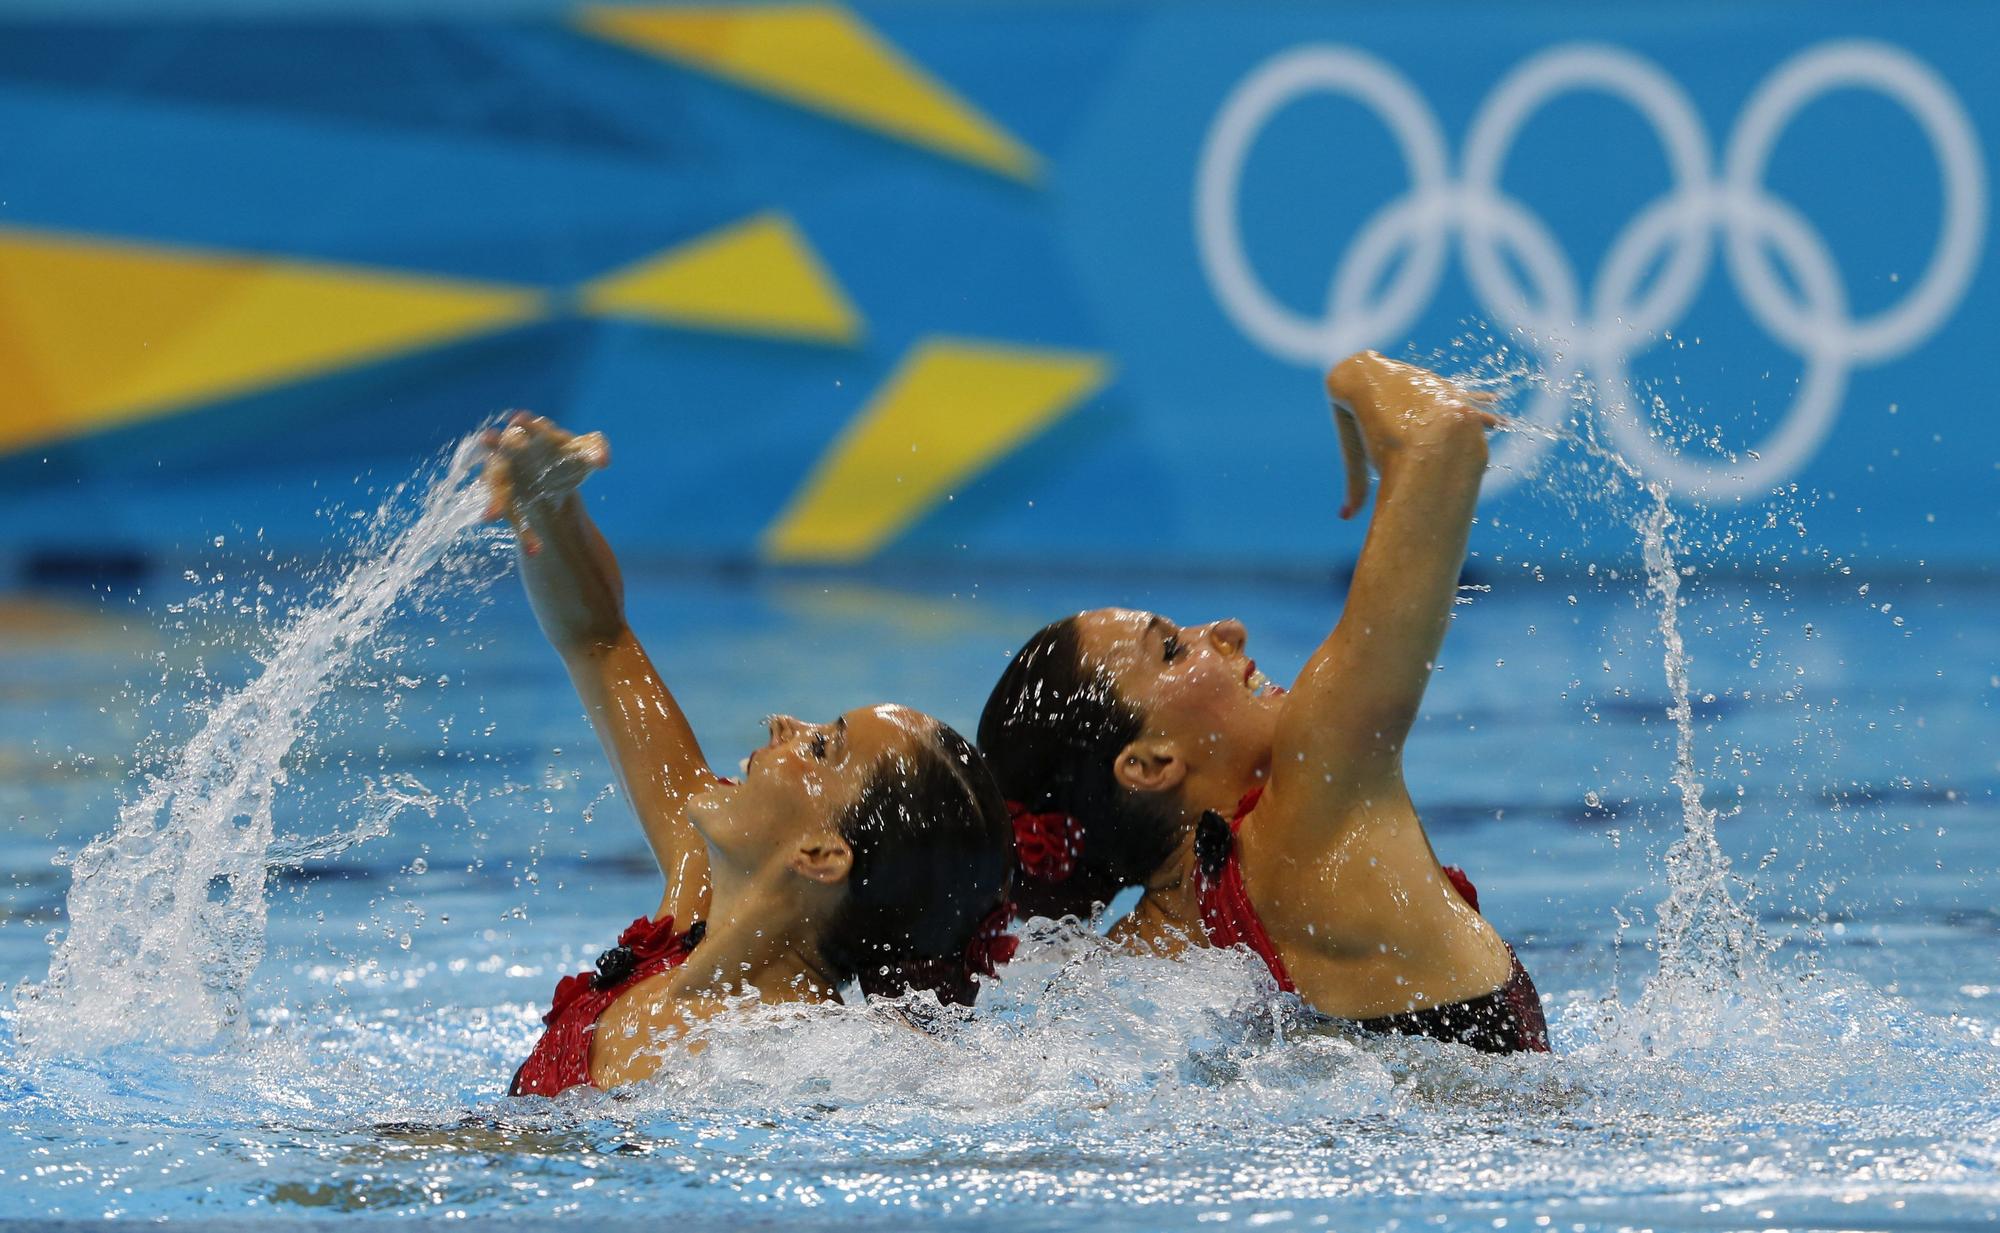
(561, 1058)
(1508, 1020)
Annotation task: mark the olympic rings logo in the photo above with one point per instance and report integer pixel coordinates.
(1675, 235)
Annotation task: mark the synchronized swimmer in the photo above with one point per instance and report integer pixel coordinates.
(1124, 751)
(874, 848)
(1139, 753)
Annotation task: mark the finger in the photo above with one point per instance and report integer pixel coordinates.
(499, 495)
(1478, 404)
(515, 438)
(518, 419)
(592, 449)
(1354, 451)
(490, 438)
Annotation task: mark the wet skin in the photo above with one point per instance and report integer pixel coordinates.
(1334, 856)
(778, 868)
(761, 862)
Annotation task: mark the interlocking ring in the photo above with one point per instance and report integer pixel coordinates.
(1621, 314)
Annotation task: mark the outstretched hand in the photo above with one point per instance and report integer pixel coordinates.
(533, 462)
(1386, 411)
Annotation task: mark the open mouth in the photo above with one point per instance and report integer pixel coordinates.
(1261, 686)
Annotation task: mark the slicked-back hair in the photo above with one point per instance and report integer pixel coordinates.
(1051, 732)
(933, 851)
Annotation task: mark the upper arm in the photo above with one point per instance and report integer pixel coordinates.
(657, 759)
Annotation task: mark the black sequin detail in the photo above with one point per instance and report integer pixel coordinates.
(619, 962)
(1212, 842)
(613, 966)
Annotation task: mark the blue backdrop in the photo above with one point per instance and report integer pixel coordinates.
(992, 281)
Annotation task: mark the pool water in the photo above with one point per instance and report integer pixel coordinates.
(1823, 1051)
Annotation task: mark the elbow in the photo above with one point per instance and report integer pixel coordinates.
(590, 641)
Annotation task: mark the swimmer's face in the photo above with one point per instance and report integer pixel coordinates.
(1194, 686)
(786, 811)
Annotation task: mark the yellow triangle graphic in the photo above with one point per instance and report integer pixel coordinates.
(948, 412)
(759, 276)
(822, 57)
(97, 334)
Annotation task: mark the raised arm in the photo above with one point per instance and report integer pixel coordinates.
(1342, 736)
(579, 599)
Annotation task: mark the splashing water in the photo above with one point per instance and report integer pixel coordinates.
(1704, 935)
(1709, 948)
(166, 913)
(1087, 1087)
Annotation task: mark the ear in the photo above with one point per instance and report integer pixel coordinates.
(824, 858)
(1148, 765)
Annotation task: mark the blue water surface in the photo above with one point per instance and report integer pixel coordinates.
(1844, 1073)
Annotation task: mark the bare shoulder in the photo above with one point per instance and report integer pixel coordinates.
(1364, 917)
(641, 1031)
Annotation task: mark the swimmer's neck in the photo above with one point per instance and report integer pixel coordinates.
(1167, 918)
(758, 941)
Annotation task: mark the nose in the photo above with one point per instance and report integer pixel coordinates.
(781, 727)
(1228, 635)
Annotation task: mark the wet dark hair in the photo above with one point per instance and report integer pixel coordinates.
(932, 853)
(1051, 732)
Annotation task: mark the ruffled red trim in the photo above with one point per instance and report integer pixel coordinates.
(561, 1058)
(1227, 915)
